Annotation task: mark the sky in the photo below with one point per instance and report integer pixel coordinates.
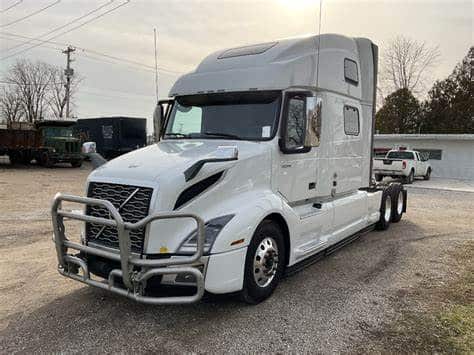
(188, 30)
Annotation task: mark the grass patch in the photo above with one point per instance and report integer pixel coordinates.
(457, 323)
(435, 319)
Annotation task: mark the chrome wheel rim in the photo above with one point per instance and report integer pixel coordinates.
(388, 208)
(265, 262)
(400, 203)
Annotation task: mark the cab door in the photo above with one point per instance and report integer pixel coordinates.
(297, 169)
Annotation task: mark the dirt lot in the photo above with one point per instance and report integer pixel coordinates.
(405, 289)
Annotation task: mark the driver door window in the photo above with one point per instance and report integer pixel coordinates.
(296, 122)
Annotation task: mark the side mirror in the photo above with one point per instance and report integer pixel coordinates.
(313, 121)
(158, 121)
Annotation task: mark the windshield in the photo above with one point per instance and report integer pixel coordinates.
(400, 155)
(58, 132)
(246, 116)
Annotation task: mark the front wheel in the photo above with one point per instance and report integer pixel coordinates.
(264, 263)
(45, 160)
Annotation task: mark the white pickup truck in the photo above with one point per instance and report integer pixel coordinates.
(262, 165)
(406, 164)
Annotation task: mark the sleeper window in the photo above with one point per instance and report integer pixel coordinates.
(351, 121)
(350, 71)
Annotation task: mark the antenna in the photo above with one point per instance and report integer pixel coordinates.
(319, 42)
(156, 68)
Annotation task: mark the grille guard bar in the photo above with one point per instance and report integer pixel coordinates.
(132, 280)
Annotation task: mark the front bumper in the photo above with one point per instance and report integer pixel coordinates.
(134, 271)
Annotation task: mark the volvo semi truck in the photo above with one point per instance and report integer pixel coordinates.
(263, 164)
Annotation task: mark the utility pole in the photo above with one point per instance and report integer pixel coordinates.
(68, 72)
(156, 67)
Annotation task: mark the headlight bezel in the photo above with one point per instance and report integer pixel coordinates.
(212, 229)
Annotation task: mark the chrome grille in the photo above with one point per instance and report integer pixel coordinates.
(133, 203)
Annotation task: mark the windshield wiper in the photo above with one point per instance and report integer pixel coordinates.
(219, 134)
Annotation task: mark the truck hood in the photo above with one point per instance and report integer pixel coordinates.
(167, 159)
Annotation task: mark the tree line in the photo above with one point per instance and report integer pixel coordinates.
(34, 91)
(449, 104)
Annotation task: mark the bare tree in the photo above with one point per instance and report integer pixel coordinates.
(33, 80)
(10, 104)
(57, 93)
(406, 64)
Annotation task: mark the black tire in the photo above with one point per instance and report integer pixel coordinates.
(252, 292)
(45, 160)
(14, 158)
(398, 202)
(409, 179)
(26, 158)
(427, 175)
(76, 163)
(385, 218)
(378, 177)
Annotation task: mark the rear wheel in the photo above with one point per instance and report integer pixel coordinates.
(14, 158)
(398, 202)
(264, 263)
(428, 174)
(409, 179)
(385, 210)
(26, 158)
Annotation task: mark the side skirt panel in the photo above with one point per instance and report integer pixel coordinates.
(293, 269)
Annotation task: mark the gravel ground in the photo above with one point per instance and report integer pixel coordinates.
(331, 306)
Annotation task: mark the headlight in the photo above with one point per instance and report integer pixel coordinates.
(212, 229)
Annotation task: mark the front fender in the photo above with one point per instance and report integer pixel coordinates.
(250, 209)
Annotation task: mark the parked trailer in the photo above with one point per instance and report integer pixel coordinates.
(263, 165)
(113, 136)
(48, 142)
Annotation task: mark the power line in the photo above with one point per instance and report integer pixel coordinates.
(94, 52)
(101, 60)
(62, 26)
(70, 30)
(29, 84)
(19, 40)
(111, 96)
(11, 6)
(31, 14)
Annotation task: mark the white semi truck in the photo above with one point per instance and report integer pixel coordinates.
(263, 165)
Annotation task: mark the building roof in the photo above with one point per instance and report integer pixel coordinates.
(451, 137)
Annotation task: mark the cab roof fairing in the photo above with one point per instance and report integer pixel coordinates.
(288, 63)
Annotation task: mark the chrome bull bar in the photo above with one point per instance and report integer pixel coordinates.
(134, 281)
